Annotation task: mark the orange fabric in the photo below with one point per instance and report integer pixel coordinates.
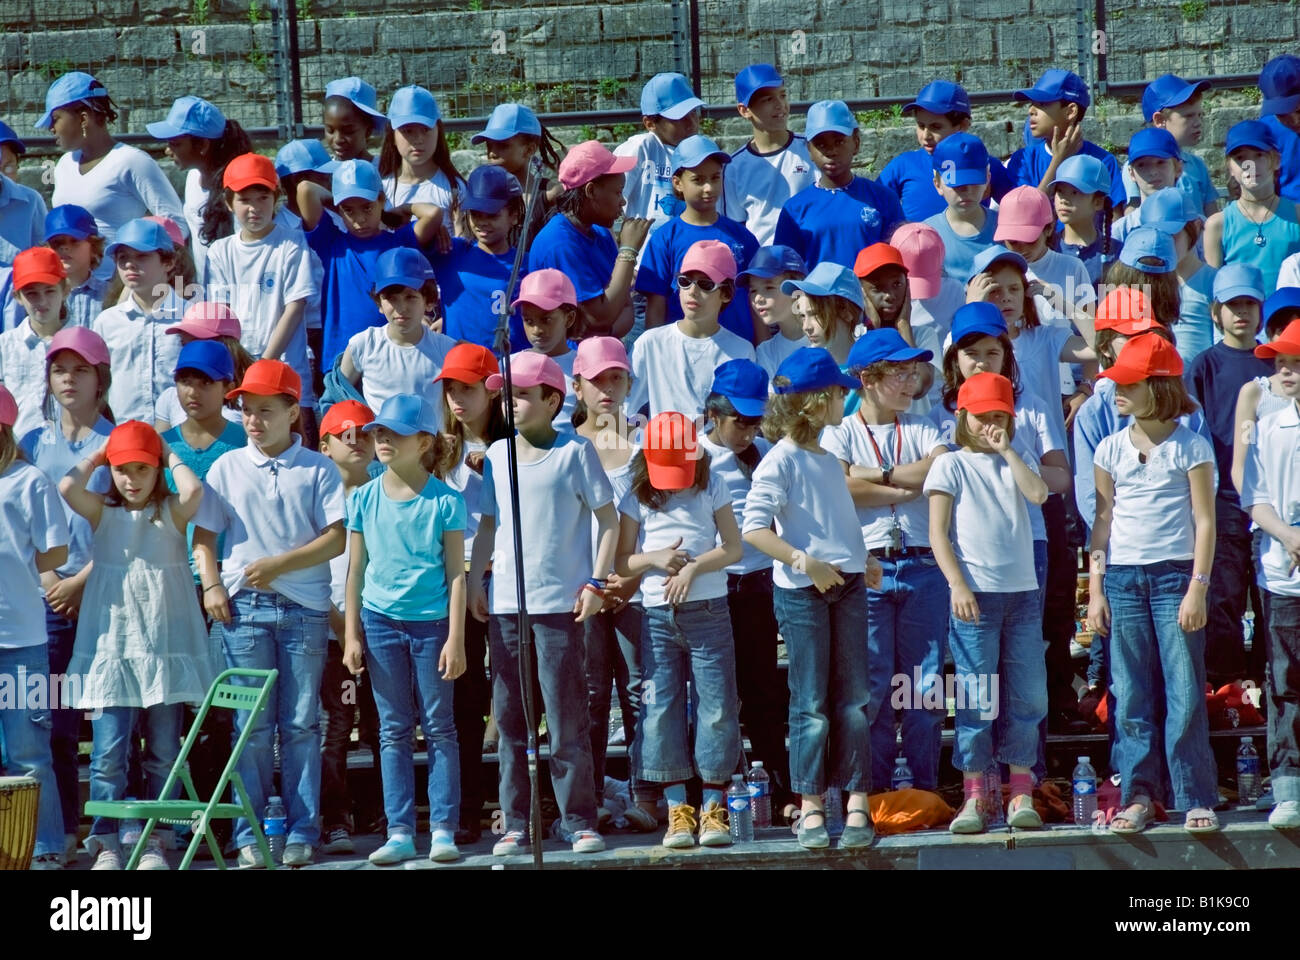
(902, 811)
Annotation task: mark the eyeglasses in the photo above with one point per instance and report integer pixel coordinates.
(704, 283)
(903, 373)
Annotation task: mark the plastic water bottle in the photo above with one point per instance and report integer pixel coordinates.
(740, 815)
(902, 777)
(833, 800)
(1085, 792)
(275, 826)
(1247, 772)
(760, 794)
(993, 795)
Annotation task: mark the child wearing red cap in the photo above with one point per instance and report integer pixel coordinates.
(886, 294)
(980, 533)
(142, 648)
(40, 286)
(1152, 549)
(678, 533)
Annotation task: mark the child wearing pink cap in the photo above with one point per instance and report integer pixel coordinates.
(549, 306)
(672, 366)
(40, 286)
(1059, 281)
(205, 321)
(561, 486)
(935, 297)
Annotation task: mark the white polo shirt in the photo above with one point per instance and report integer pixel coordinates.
(1273, 477)
(757, 185)
(388, 368)
(22, 371)
(648, 187)
(31, 522)
(142, 353)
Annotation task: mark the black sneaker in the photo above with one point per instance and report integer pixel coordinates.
(337, 840)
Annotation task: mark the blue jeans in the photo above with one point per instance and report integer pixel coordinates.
(691, 641)
(1158, 671)
(268, 631)
(25, 736)
(613, 647)
(402, 655)
(906, 621)
(1005, 646)
(830, 737)
(114, 729)
(66, 729)
(1283, 686)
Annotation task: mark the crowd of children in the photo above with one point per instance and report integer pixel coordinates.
(265, 427)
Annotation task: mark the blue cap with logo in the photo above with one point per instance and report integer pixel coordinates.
(405, 414)
(1249, 133)
(355, 179)
(754, 78)
(1085, 174)
(829, 116)
(208, 357)
(768, 262)
(1153, 142)
(1169, 210)
(303, 156)
(8, 136)
(144, 236)
(980, 317)
(1168, 91)
(508, 119)
(941, 96)
(828, 280)
(1238, 280)
(694, 150)
(960, 160)
(489, 188)
(69, 88)
(360, 94)
(884, 344)
(812, 368)
(401, 267)
(69, 220)
(413, 105)
(668, 95)
(744, 383)
(1054, 85)
(994, 253)
(1279, 81)
(189, 117)
(1149, 250)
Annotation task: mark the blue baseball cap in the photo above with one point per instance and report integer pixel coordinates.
(1238, 280)
(1149, 250)
(768, 262)
(1279, 81)
(490, 188)
(303, 156)
(1283, 298)
(828, 280)
(355, 179)
(829, 115)
(401, 267)
(1055, 85)
(189, 117)
(812, 368)
(69, 220)
(960, 160)
(1168, 91)
(744, 383)
(754, 78)
(360, 94)
(1085, 174)
(694, 150)
(1249, 133)
(980, 317)
(405, 414)
(941, 96)
(668, 95)
(1169, 210)
(208, 357)
(1153, 142)
(69, 88)
(7, 135)
(413, 105)
(508, 119)
(994, 253)
(142, 235)
(884, 344)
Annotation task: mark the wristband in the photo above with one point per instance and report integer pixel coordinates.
(212, 587)
(597, 583)
(627, 249)
(596, 590)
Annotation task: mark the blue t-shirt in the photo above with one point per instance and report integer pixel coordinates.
(1214, 378)
(201, 461)
(910, 175)
(47, 449)
(1195, 182)
(406, 579)
(663, 258)
(959, 253)
(835, 224)
(471, 281)
(349, 262)
(1028, 165)
(1094, 255)
(585, 258)
(1288, 144)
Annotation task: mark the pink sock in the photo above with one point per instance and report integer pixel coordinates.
(1022, 783)
(973, 787)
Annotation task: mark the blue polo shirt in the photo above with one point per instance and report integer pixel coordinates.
(22, 219)
(833, 224)
(910, 175)
(959, 253)
(663, 258)
(1028, 165)
(471, 282)
(585, 258)
(1288, 144)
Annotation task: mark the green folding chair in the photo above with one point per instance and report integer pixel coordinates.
(192, 810)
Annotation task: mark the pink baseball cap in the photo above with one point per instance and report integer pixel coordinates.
(206, 320)
(82, 341)
(170, 226)
(528, 368)
(8, 408)
(547, 289)
(589, 160)
(1022, 214)
(923, 253)
(597, 354)
(713, 258)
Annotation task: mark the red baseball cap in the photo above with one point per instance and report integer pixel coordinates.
(206, 320)
(250, 169)
(1126, 310)
(589, 160)
(548, 288)
(468, 363)
(8, 408)
(1146, 355)
(874, 257)
(267, 378)
(986, 393)
(37, 265)
(134, 442)
(671, 451)
(345, 415)
(1287, 342)
(82, 341)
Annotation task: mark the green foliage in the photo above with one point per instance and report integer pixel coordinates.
(588, 132)
(1194, 10)
(258, 59)
(475, 5)
(623, 131)
(610, 87)
(1254, 94)
(255, 12)
(891, 117)
(304, 9)
(456, 139)
(54, 68)
(202, 8)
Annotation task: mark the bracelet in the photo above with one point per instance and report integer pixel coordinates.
(632, 250)
(1201, 579)
(597, 583)
(625, 258)
(596, 590)
(212, 587)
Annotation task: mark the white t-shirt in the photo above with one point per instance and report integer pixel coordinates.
(168, 407)
(927, 338)
(22, 371)
(270, 505)
(648, 187)
(558, 494)
(1068, 288)
(143, 354)
(919, 437)
(469, 485)
(1151, 520)
(1288, 274)
(1038, 353)
(807, 496)
(436, 190)
(1273, 477)
(771, 353)
(192, 205)
(620, 479)
(688, 514)
(937, 311)
(757, 185)
(727, 466)
(388, 368)
(989, 527)
(675, 372)
(31, 522)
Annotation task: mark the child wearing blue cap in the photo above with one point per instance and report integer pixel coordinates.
(960, 165)
(1171, 104)
(774, 165)
(773, 309)
(350, 114)
(1279, 82)
(414, 160)
(1156, 163)
(512, 137)
(11, 148)
(1080, 194)
(831, 304)
(22, 209)
(70, 231)
(843, 212)
(697, 169)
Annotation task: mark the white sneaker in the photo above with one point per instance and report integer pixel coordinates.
(153, 857)
(108, 858)
(1285, 816)
(296, 854)
(47, 861)
(250, 858)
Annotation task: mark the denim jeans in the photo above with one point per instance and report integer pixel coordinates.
(764, 696)
(561, 662)
(114, 729)
(906, 621)
(66, 727)
(1225, 602)
(471, 703)
(269, 631)
(830, 737)
(1283, 694)
(1158, 671)
(1005, 645)
(401, 656)
(689, 642)
(25, 736)
(613, 647)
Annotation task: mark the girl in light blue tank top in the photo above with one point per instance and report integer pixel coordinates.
(1262, 245)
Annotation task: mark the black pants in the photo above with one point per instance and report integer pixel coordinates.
(1225, 603)
(764, 694)
(1058, 611)
(472, 703)
(341, 696)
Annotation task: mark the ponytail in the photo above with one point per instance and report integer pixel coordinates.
(216, 215)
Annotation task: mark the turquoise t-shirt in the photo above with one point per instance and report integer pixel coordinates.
(201, 461)
(406, 579)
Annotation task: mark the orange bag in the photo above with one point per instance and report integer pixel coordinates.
(902, 811)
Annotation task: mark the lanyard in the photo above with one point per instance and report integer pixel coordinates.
(896, 529)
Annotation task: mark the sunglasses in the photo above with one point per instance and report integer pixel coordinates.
(704, 283)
